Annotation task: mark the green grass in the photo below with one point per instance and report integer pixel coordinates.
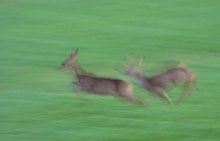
(37, 100)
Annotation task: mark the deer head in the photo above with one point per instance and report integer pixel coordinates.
(71, 60)
(134, 69)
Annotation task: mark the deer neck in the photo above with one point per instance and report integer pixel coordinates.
(76, 70)
(138, 75)
(143, 80)
(80, 71)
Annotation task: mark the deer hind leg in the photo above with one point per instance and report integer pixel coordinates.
(128, 96)
(194, 84)
(133, 99)
(162, 94)
(185, 91)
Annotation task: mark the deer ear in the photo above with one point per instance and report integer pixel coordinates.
(74, 52)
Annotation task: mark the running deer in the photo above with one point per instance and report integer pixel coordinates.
(100, 85)
(157, 84)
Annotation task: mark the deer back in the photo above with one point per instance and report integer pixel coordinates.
(171, 76)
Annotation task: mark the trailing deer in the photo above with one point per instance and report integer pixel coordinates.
(100, 85)
(157, 84)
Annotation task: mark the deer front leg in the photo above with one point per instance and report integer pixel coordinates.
(78, 89)
(77, 86)
(162, 94)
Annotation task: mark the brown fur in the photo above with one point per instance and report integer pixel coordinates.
(158, 83)
(100, 85)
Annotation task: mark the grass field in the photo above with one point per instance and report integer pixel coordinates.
(37, 99)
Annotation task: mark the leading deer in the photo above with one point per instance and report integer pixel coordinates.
(157, 84)
(100, 85)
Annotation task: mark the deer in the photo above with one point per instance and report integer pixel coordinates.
(158, 84)
(100, 85)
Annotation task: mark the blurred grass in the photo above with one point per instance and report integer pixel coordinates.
(37, 101)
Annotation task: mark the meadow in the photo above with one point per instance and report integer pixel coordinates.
(37, 98)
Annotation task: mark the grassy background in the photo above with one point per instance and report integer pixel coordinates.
(37, 101)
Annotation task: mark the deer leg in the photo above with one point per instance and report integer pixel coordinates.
(195, 85)
(78, 88)
(77, 85)
(133, 99)
(128, 96)
(185, 92)
(162, 94)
